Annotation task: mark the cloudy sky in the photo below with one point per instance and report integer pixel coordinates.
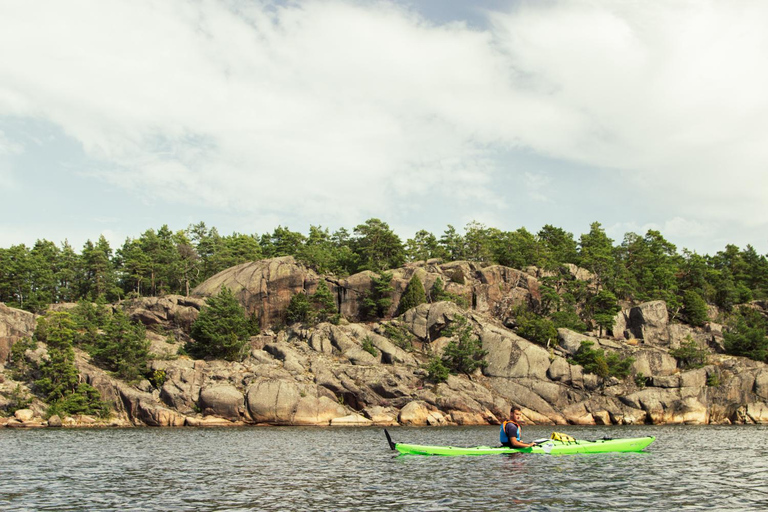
(119, 116)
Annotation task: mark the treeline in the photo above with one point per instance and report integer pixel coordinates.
(159, 262)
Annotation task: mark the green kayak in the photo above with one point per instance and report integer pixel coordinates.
(548, 446)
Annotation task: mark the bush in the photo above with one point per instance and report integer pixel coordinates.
(221, 330)
(399, 335)
(413, 295)
(59, 380)
(376, 303)
(324, 304)
(694, 308)
(437, 371)
(368, 346)
(746, 337)
(568, 319)
(535, 328)
(299, 309)
(595, 361)
(689, 356)
(465, 353)
(123, 348)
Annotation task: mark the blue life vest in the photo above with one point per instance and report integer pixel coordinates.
(503, 437)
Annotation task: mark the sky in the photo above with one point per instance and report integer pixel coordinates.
(120, 116)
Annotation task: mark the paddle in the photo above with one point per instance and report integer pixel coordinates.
(389, 440)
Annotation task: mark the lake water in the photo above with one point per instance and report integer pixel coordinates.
(293, 468)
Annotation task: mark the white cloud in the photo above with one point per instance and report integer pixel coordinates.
(334, 111)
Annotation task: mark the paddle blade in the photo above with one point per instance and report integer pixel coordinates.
(389, 440)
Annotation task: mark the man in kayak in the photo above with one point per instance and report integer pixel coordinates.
(510, 432)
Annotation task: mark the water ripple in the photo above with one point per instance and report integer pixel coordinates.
(244, 469)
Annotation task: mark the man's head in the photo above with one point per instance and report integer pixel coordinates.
(515, 414)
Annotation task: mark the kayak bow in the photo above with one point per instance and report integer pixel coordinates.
(549, 446)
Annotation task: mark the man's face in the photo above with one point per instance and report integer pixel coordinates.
(516, 416)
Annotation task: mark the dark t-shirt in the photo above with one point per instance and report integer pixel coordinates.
(511, 431)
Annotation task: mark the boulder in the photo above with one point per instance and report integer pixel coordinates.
(428, 320)
(223, 400)
(511, 356)
(648, 322)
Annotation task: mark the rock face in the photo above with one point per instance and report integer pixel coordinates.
(265, 287)
(15, 324)
(362, 373)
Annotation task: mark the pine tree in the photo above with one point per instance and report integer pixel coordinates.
(413, 295)
(221, 330)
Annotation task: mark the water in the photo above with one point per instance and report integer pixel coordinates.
(263, 468)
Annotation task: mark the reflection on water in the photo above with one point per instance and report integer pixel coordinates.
(293, 468)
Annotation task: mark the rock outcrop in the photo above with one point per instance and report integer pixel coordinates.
(375, 373)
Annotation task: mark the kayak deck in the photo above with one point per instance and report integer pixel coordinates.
(548, 447)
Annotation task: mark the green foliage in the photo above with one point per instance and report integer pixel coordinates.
(399, 335)
(603, 308)
(299, 309)
(438, 293)
(59, 382)
(694, 308)
(17, 399)
(535, 328)
(437, 371)
(368, 346)
(123, 348)
(376, 303)
(595, 361)
(378, 247)
(18, 362)
(713, 379)
(747, 335)
(157, 378)
(641, 380)
(464, 354)
(324, 304)
(568, 319)
(221, 330)
(689, 356)
(413, 295)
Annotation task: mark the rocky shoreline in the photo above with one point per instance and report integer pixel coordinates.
(323, 375)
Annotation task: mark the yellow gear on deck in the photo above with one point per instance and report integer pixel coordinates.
(558, 436)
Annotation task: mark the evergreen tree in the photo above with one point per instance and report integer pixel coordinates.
(694, 308)
(323, 303)
(123, 348)
(376, 303)
(59, 381)
(299, 309)
(377, 246)
(464, 354)
(221, 330)
(413, 295)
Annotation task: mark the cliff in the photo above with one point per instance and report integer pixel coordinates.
(362, 373)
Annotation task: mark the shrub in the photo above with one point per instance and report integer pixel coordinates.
(595, 361)
(299, 309)
(368, 346)
(689, 356)
(413, 295)
(221, 329)
(533, 327)
(324, 304)
(59, 381)
(123, 348)
(399, 335)
(694, 308)
(376, 303)
(747, 336)
(568, 319)
(437, 371)
(465, 353)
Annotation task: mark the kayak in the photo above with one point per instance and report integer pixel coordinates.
(548, 446)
